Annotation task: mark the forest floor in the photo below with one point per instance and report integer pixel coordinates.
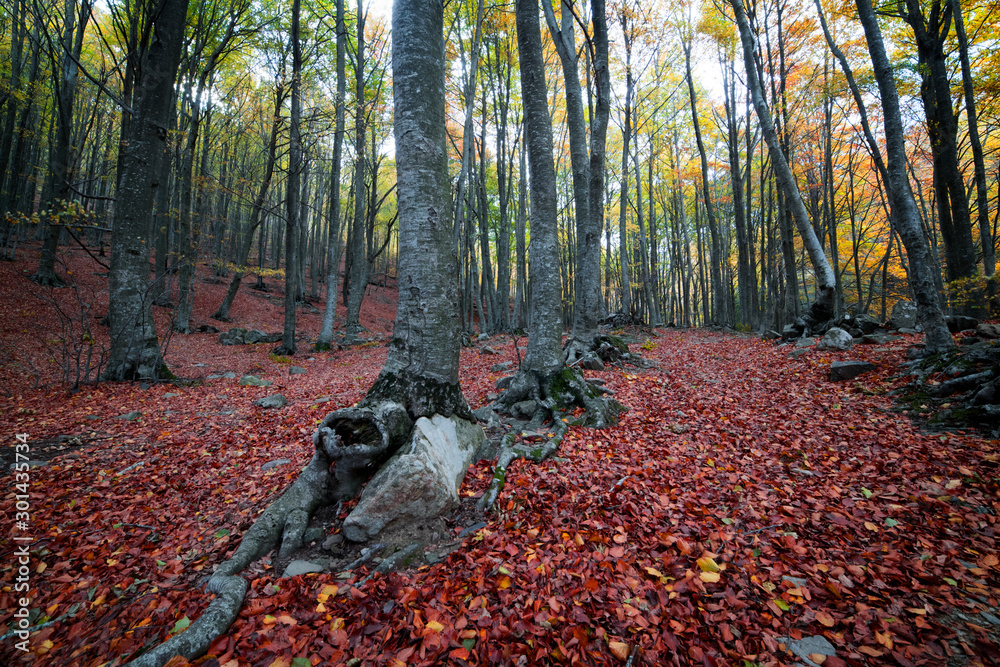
(745, 510)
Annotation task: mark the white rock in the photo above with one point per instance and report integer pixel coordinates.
(836, 339)
(421, 481)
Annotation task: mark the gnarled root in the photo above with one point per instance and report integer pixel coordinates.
(560, 391)
(593, 354)
(510, 451)
(359, 440)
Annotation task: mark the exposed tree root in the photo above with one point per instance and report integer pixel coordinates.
(510, 452)
(558, 392)
(594, 353)
(359, 440)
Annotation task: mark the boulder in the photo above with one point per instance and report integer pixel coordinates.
(254, 381)
(276, 463)
(769, 334)
(879, 338)
(296, 370)
(273, 401)
(482, 337)
(904, 315)
(297, 567)
(228, 375)
(591, 362)
(488, 350)
(130, 416)
(836, 339)
(816, 645)
(805, 342)
(524, 409)
(421, 481)
(988, 331)
(233, 337)
(487, 416)
(502, 367)
(847, 370)
(958, 323)
(792, 330)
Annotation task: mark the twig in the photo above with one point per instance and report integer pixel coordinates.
(631, 657)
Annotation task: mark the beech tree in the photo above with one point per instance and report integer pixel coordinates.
(823, 306)
(135, 351)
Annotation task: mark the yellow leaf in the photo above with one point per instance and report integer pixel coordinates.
(884, 639)
(504, 582)
(710, 577)
(818, 658)
(871, 526)
(707, 564)
(654, 572)
(41, 568)
(337, 624)
(953, 484)
(268, 620)
(916, 610)
(434, 626)
(619, 650)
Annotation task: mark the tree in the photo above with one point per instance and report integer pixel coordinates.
(905, 213)
(544, 376)
(333, 242)
(135, 352)
(822, 308)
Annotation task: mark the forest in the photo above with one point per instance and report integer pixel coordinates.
(499, 333)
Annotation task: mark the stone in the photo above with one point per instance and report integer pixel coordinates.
(254, 336)
(879, 338)
(958, 323)
(792, 330)
(988, 331)
(798, 582)
(524, 409)
(770, 334)
(502, 367)
(486, 415)
(504, 383)
(170, 395)
(482, 337)
(591, 362)
(421, 481)
(488, 350)
(805, 342)
(795, 354)
(904, 315)
(228, 375)
(207, 328)
(333, 542)
(847, 370)
(274, 401)
(275, 464)
(908, 331)
(254, 381)
(130, 416)
(803, 648)
(314, 534)
(296, 370)
(31, 464)
(836, 339)
(297, 567)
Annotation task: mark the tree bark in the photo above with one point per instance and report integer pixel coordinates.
(333, 241)
(359, 253)
(823, 304)
(907, 217)
(135, 352)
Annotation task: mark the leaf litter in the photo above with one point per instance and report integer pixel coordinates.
(744, 502)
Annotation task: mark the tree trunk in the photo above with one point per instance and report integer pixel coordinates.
(822, 307)
(293, 192)
(907, 218)
(358, 249)
(135, 352)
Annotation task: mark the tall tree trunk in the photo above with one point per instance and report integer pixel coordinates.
(135, 352)
(623, 195)
(982, 191)
(358, 249)
(333, 241)
(544, 355)
(718, 293)
(293, 192)
(938, 338)
(823, 304)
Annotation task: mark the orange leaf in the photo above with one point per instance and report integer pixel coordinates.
(869, 650)
(825, 619)
(459, 654)
(504, 582)
(619, 650)
(818, 658)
